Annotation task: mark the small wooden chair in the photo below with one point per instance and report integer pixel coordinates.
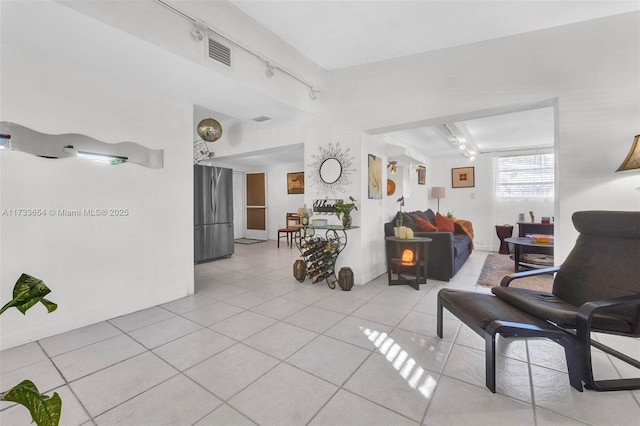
(290, 232)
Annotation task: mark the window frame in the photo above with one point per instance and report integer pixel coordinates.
(532, 179)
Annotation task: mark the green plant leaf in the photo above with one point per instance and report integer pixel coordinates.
(49, 305)
(44, 410)
(27, 292)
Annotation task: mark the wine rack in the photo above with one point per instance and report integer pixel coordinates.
(320, 252)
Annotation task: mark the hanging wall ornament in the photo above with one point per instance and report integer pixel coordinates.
(201, 151)
(209, 130)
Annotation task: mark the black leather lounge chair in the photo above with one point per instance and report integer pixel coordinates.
(597, 289)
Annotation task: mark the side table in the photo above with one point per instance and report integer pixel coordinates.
(504, 231)
(407, 260)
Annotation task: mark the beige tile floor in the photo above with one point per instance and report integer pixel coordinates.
(254, 346)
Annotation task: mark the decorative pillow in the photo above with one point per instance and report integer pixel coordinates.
(431, 216)
(444, 225)
(407, 221)
(423, 216)
(425, 225)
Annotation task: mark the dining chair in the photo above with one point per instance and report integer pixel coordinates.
(290, 232)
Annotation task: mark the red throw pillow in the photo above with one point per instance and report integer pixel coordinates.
(444, 225)
(424, 225)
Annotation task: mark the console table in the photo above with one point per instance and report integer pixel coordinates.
(320, 252)
(410, 272)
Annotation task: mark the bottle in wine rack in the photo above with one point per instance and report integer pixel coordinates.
(323, 276)
(315, 272)
(315, 256)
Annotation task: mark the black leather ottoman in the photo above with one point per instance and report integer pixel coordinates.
(489, 315)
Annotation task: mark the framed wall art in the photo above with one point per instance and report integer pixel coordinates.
(422, 175)
(375, 177)
(295, 183)
(463, 177)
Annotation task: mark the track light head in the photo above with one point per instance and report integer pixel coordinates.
(270, 69)
(197, 33)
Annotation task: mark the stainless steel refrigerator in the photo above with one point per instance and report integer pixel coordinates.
(213, 212)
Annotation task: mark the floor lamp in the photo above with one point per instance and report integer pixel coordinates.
(437, 192)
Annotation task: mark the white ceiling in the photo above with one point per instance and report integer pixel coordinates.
(527, 129)
(334, 34)
(337, 34)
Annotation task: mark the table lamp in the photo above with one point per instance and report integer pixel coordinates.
(437, 192)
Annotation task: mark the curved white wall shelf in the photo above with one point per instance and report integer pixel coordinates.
(19, 138)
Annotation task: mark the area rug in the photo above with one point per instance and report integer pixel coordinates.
(496, 266)
(247, 241)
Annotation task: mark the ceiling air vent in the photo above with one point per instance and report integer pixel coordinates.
(219, 52)
(261, 119)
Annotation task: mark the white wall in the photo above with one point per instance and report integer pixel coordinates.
(96, 267)
(279, 202)
(590, 68)
(370, 252)
(478, 204)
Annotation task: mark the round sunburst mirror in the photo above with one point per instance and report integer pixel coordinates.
(332, 167)
(209, 130)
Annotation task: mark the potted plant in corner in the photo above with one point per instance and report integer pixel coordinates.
(45, 410)
(345, 209)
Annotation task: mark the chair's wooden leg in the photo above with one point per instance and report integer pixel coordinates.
(490, 360)
(604, 385)
(439, 324)
(573, 362)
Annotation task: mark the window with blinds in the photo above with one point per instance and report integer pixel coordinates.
(524, 176)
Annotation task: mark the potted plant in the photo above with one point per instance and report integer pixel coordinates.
(345, 209)
(45, 410)
(400, 217)
(401, 231)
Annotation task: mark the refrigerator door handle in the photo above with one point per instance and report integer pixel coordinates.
(213, 189)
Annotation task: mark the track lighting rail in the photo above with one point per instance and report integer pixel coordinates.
(270, 65)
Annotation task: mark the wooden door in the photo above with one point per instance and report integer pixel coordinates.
(256, 211)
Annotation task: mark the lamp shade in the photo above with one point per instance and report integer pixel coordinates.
(633, 157)
(437, 192)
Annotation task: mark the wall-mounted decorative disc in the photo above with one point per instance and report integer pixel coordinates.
(209, 130)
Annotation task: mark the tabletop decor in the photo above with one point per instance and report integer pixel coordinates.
(400, 216)
(399, 230)
(345, 209)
